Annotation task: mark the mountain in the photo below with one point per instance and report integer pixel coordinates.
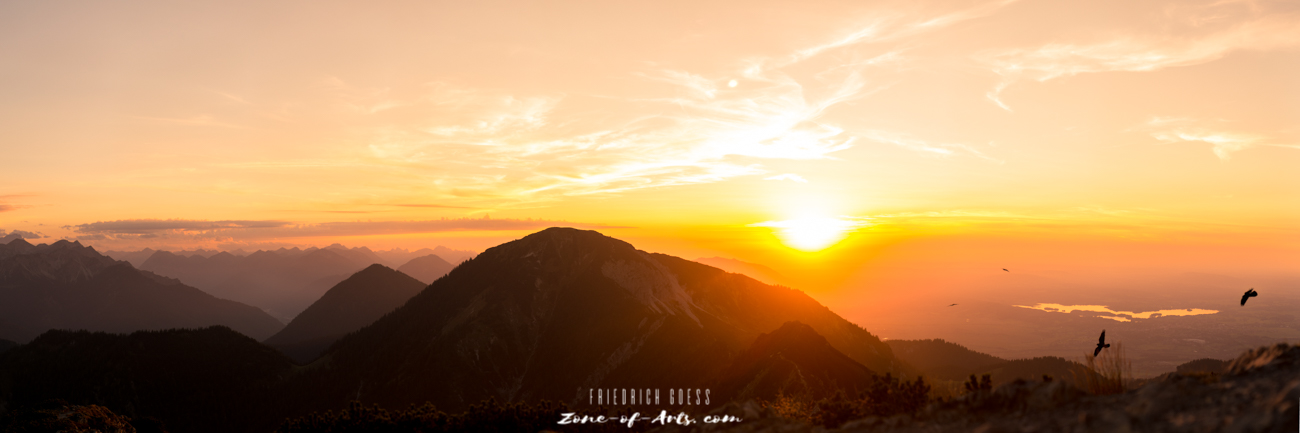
(753, 270)
(5, 345)
(1203, 365)
(945, 360)
(358, 254)
(562, 311)
(65, 285)
(194, 380)
(135, 258)
(396, 256)
(1033, 369)
(282, 282)
(792, 360)
(942, 360)
(351, 305)
(426, 268)
(453, 256)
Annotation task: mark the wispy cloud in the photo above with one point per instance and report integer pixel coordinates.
(894, 26)
(788, 176)
(141, 226)
(199, 230)
(1192, 34)
(428, 205)
(940, 149)
(509, 149)
(1214, 132)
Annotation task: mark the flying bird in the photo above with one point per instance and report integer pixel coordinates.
(1005, 269)
(952, 304)
(1101, 343)
(1249, 294)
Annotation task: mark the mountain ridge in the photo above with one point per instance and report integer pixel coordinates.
(348, 306)
(535, 317)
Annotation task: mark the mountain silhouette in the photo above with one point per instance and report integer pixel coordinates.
(135, 258)
(395, 257)
(194, 380)
(753, 270)
(65, 285)
(792, 360)
(1203, 365)
(944, 360)
(941, 359)
(426, 268)
(561, 311)
(351, 305)
(282, 282)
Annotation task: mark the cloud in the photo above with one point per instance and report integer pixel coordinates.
(18, 234)
(893, 26)
(1213, 132)
(1193, 34)
(143, 226)
(8, 207)
(440, 206)
(788, 176)
(938, 149)
(496, 148)
(198, 230)
(27, 235)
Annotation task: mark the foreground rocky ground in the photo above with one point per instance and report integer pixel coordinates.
(1260, 392)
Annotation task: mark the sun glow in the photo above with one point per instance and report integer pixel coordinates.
(811, 234)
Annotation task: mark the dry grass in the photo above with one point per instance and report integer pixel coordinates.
(1109, 373)
(794, 407)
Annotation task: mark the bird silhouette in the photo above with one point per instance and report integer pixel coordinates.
(1005, 269)
(1101, 343)
(1249, 294)
(952, 304)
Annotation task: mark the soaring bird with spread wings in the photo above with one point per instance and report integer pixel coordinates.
(1101, 343)
(1249, 294)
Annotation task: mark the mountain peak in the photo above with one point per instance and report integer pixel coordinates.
(19, 242)
(534, 317)
(350, 305)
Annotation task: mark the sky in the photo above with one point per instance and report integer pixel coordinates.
(844, 144)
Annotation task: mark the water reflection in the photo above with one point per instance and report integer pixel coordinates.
(1121, 316)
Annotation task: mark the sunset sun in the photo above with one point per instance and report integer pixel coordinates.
(811, 234)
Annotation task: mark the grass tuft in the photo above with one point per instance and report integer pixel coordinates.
(1111, 372)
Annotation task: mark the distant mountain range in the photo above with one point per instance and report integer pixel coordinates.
(563, 310)
(753, 270)
(285, 281)
(426, 268)
(65, 285)
(792, 360)
(348, 306)
(137, 258)
(943, 360)
(281, 282)
(391, 258)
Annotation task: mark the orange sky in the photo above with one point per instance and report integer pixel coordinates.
(1129, 134)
